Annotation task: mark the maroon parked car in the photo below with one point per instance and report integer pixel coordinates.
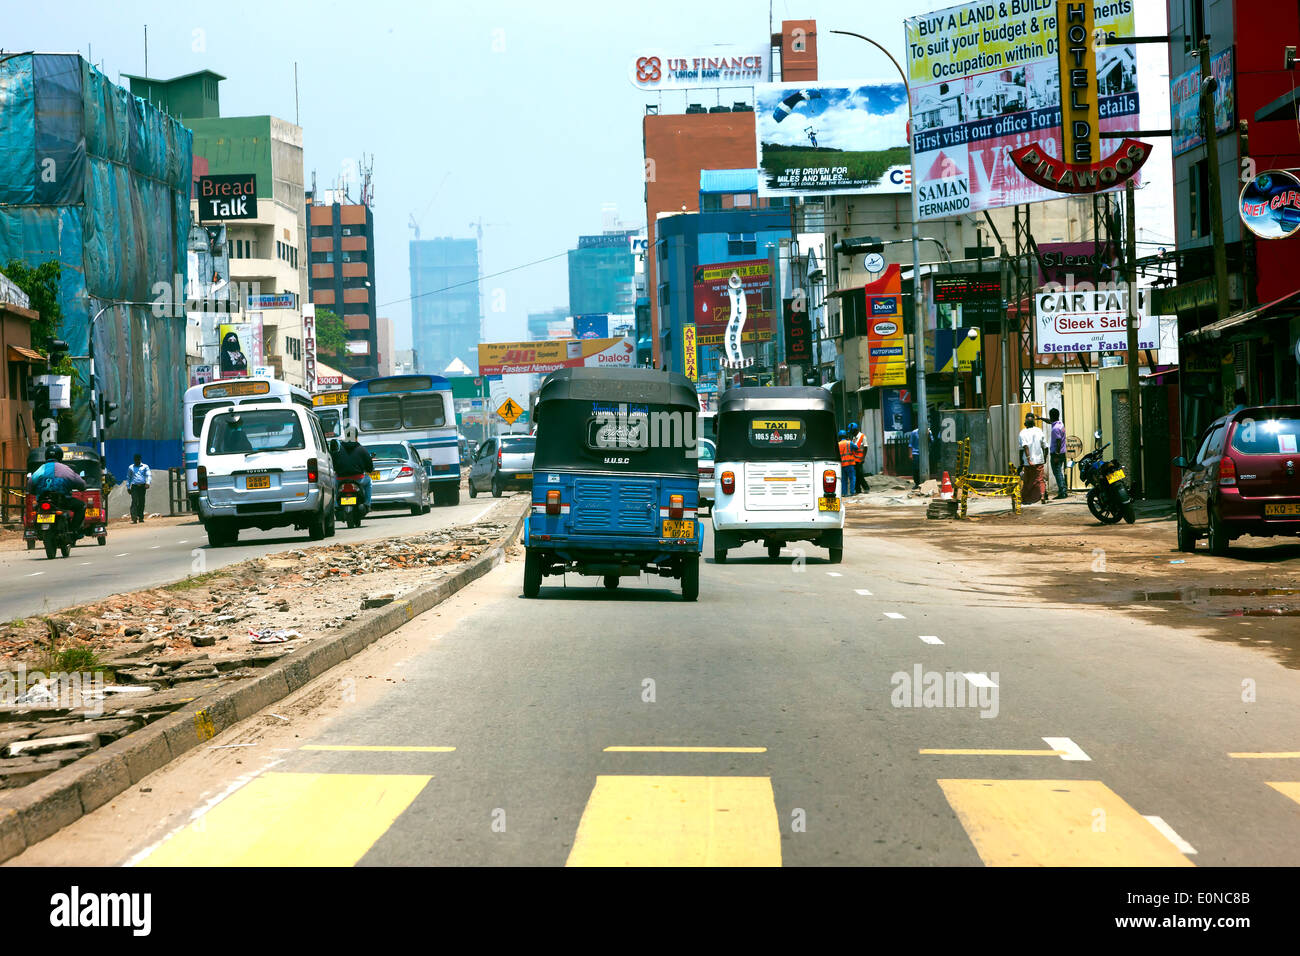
(1243, 480)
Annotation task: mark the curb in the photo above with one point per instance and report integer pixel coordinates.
(37, 811)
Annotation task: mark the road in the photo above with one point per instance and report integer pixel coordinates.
(141, 556)
(763, 725)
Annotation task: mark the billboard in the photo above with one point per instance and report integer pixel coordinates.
(798, 332)
(235, 357)
(985, 79)
(713, 304)
(690, 365)
(714, 66)
(814, 140)
(885, 343)
(227, 197)
(516, 358)
(1094, 321)
(1185, 102)
(273, 300)
(594, 326)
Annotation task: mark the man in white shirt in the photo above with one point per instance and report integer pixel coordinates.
(1033, 457)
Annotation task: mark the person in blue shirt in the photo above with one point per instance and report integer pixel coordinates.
(138, 479)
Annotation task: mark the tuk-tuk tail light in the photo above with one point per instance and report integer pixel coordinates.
(728, 482)
(553, 502)
(675, 505)
(828, 482)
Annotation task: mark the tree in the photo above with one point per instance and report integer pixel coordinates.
(41, 285)
(330, 340)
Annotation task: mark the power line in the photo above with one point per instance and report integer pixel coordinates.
(493, 275)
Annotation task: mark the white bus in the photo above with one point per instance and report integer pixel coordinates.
(201, 399)
(332, 410)
(414, 408)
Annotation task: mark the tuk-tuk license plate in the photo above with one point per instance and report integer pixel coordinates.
(257, 481)
(348, 501)
(828, 504)
(679, 529)
(92, 512)
(1282, 509)
(525, 476)
(45, 519)
(1115, 476)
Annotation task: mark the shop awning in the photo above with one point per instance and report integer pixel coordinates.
(19, 353)
(1215, 329)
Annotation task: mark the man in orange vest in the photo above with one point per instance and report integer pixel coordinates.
(848, 484)
(859, 443)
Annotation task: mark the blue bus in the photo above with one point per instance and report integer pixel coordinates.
(414, 408)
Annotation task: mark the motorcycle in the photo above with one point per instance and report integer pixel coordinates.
(350, 509)
(1109, 498)
(54, 524)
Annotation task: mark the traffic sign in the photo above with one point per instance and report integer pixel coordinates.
(509, 410)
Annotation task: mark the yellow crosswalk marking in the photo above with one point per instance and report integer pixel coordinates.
(293, 819)
(1276, 755)
(1290, 789)
(974, 752)
(1056, 823)
(685, 750)
(678, 821)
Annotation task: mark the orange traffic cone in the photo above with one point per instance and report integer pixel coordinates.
(945, 490)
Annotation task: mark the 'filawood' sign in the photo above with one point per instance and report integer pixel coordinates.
(227, 197)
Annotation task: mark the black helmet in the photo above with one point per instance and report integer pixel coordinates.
(53, 452)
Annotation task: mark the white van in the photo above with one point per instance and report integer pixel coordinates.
(777, 473)
(264, 466)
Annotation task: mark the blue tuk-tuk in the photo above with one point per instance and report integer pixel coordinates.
(615, 478)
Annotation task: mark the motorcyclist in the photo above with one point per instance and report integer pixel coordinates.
(351, 458)
(55, 476)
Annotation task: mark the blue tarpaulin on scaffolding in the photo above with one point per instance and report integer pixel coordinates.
(99, 180)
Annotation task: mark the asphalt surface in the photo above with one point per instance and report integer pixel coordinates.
(480, 733)
(161, 551)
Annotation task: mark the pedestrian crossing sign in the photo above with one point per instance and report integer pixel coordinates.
(509, 410)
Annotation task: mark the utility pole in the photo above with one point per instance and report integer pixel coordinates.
(1134, 400)
(1208, 83)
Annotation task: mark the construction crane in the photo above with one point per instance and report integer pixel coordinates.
(413, 223)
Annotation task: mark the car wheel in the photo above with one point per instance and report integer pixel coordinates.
(532, 573)
(773, 551)
(316, 526)
(417, 509)
(216, 536)
(690, 577)
(1217, 535)
(331, 523)
(719, 555)
(473, 492)
(496, 488)
(453, 496)
(611, 582)
(1186, 536)
(836, 555)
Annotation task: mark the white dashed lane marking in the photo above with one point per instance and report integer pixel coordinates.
(1170, 834)
(979, 680)
(862, 591)
(930, 639)
(122, 555)
(1070, 750)
(894, 615)
(34, 573)
(834, 574)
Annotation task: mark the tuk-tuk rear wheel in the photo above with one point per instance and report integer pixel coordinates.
(31, 545)
(691, 577)
(102, 539)
(532, 573)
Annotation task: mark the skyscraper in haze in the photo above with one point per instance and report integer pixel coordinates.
(446, 312)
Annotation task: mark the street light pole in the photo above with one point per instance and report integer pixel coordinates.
(918, 321)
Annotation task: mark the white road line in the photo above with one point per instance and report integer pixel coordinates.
(979, 680)
(122, 555)
(183, 541)
(894, 615)
(84, 563)
(155, 547)
(1072, 750)
(930, 639)
(480, 514)
(34, 573)
(1169, 834)
(862, 591)
(834, 574)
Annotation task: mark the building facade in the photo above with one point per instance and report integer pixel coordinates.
(446, 309)
(343, 279)
(602, 274)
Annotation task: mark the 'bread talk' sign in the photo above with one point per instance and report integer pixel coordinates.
(227, 197)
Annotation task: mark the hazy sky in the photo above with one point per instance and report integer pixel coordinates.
(518, 114)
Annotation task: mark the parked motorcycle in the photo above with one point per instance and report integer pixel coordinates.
(1109, 497)
(54, 524)
(350, 509)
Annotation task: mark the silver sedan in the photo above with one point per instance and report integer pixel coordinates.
(399, 477)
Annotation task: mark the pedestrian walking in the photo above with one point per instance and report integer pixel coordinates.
(914, 450)
(847, 475)
(859, 442)
(1056, 448)
(138, 480)
(1033, 458)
